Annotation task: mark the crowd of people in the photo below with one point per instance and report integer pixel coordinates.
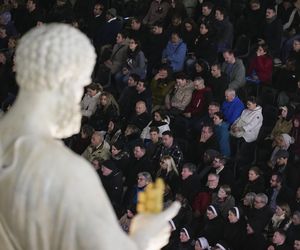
(203, 94)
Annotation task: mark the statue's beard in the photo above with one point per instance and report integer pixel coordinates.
(68, 119)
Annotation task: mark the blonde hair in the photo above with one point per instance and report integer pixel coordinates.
(171, 166)
(110, 101)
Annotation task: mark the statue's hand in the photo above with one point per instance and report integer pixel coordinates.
(152, 231)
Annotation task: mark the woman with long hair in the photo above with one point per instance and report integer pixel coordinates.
(135, 63)
(169, 173)
(107, 109)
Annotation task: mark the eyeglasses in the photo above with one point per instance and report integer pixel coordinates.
(257, 201)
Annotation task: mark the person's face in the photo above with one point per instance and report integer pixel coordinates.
(295, 220)
(273, 181)
(163, 164)
(212, 109)
(135, 25)
(222, 194)
(279, 211)
(131, 82)
(206, 132)
(185, 173)
(154, 136)
(232, 217)
(141, 181)
(215, 71)
(284, 112)
(128, 131)
(167, 140)
(198, 68)
(212, 182)
(255, 6)
(198, 85)
(297, 245)
(183, 237)
(105, 171)
(258, 203)
(119, 39)
(103, 100)
(280, 161)
(270, 13)
(96, 140)
(96, 164)
(176, 21)
(219, 16)
(203, 29)
(175, 38)
(260, 51)
(229, 58)
(210, 215)
(197, 246)
(217, 120)
(206, 11)
(246, 201)
(156, 30)
(216, 163)
(140, 87)
(296, 123)
(114, 151)
(251, 105)
(30, 5)
(188, 27)
(277, 238)
(2, 33)
(132, 44)
(98, 9)
(157, 117)
(138, 152)
(252, 176)
(2, 58)
(229, 97)
(91, 92)
(140, 108)
(296, 45)
(12, 43)
(110, 126)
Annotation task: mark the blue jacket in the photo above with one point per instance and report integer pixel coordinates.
(222, 135)
(232, 110)
(175, 54)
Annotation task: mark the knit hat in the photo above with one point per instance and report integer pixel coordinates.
(203, 243)
(282, 154)
(109, 164)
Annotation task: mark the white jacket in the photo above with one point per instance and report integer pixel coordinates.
(89, 104)
(250, 121)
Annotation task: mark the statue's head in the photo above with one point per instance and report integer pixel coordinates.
(56, 59)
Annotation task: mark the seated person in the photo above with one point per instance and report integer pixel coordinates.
(161, 84)
(261, 66)
(159, 120)
(90, 100)
(175, 52)
(141, 116)
(180, 96)
(98, 148)
(232, 107)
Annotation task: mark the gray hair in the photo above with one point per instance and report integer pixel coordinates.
(146, 175)
(263, 197)
(230, 91)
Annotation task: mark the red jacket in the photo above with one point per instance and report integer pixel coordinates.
(199, 102)
(263, 66)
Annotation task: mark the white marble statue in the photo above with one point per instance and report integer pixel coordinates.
(50, 198)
